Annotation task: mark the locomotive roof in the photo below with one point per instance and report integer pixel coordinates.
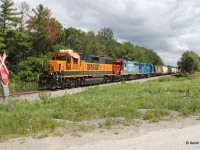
(73, 54)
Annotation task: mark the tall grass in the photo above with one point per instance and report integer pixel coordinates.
(177, 94)
(20, 86)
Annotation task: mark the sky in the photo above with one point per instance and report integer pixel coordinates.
(169, 27)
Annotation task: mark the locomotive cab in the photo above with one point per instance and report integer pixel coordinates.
(63, 60)
(118, 67)
(61, 65)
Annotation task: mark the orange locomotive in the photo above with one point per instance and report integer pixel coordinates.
(70, 69)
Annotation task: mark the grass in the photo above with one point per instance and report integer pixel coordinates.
(19, 86)
(125, 100)
(156, 115)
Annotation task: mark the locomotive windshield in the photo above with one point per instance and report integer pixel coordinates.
(63, 57)
(60, 57)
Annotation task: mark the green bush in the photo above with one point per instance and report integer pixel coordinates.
(30, 68)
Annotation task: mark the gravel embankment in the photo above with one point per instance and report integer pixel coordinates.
(57, 93)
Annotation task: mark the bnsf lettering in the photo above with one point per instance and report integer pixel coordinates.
(92, 67)
(75, 67)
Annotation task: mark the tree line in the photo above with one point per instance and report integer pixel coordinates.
(30, 35)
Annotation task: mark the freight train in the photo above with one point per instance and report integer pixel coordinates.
(68, 69)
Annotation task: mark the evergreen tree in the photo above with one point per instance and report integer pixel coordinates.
(37, 27)
(44, 30)
(8, 22)
(23, 41)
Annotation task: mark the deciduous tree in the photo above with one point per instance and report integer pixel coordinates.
(189, 62)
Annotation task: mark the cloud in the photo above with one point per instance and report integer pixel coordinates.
(169, 27)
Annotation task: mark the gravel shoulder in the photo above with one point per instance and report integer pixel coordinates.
(164, 135)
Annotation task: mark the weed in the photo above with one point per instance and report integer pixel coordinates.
(44, 96)
(121, 101)
(155, 115)
(107, 124)
(86, 127)
(19, 86)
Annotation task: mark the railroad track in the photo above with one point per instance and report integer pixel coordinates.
(35, 95)
(21, 93)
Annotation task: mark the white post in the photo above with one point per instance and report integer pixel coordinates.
(5, 95)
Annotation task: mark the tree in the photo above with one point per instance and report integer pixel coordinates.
(2, 45)
(106, 38)
(24, 12)
(22, 42)
(53, 28)
(44, 30)
(30, 68)
(105, 35)
(72, 38)
(8, 21)
(37, 27)
(189, 62)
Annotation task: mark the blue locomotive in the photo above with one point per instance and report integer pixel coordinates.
(132, 70)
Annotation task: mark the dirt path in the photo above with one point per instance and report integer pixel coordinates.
(152, 136)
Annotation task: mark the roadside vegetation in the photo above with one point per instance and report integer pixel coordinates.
(29, 36)
(158, 98)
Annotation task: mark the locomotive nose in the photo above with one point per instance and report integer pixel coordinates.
(50, 68)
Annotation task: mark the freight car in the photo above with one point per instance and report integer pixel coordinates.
(162, 70)
(158, 70)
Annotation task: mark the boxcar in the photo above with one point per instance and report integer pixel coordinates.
(169, 70)
(165, 70)
(158, 70)
(173, 70)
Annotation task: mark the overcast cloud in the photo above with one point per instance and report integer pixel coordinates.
(169, 27)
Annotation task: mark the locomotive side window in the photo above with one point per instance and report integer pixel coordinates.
(75, 60)
(68, 59)
(62, 56)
